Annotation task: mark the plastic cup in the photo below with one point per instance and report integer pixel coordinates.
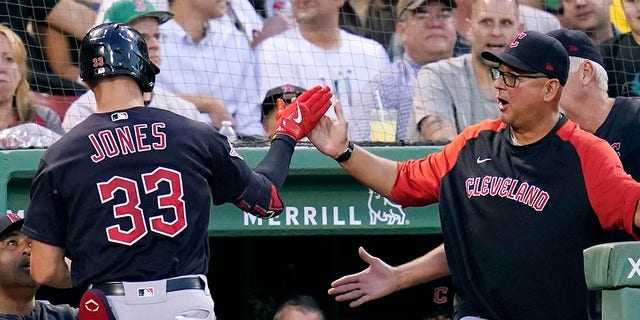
(383, 124)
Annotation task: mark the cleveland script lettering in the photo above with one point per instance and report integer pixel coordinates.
(509, 188)
(128, 139)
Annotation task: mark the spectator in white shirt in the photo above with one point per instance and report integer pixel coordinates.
(317, 51)
(208, 61)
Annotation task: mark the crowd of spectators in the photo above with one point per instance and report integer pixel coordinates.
(420, 58)
(224, 56)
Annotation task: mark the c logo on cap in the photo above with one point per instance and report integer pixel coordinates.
(519, 36)
(13, 217)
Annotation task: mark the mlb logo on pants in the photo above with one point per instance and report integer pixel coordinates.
(145, 292)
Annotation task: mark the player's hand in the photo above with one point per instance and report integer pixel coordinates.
(376, 281)
(330, 136)
(302, 115)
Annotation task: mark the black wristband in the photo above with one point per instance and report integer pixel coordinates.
(344, 156)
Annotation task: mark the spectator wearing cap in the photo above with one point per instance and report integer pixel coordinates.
(161, 5)
(621, 55)
(17, 289)
(287, 93)
(461, 47)
(520, 197)
(427, 31)
(319, 52)
(452, 94)
(209, 62)
(145, 19)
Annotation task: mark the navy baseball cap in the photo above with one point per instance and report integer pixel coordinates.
(532, 51)
(578, 44)
(285, 92)
(10, 222)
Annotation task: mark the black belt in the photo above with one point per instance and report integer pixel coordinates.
(115, 288)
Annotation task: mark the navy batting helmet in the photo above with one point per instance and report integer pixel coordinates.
(116, 49)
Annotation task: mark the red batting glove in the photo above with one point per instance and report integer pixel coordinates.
(302, 114)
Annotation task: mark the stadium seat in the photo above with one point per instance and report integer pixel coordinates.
(59, 104)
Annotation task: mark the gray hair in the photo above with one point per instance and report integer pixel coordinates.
(601, 74)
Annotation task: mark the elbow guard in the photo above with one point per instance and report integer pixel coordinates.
(260, 198)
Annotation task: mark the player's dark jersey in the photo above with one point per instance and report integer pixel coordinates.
(515, 219)
(622, 130)
(46, 311)
(128, 194)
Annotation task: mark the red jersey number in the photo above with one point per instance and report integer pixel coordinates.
(97, 62)
(131, 207)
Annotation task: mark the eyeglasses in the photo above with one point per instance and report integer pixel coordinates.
(423, 15)
(510, 78)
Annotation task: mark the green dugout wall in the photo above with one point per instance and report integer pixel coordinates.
(320, 198)
(255, 263)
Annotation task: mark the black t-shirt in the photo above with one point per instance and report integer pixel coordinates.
(621, 129)
(620, 56)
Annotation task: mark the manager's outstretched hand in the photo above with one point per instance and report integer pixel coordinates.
(330, 136)
(376, 281)
(302, 114)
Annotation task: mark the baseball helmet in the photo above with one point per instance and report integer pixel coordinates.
(116, 49)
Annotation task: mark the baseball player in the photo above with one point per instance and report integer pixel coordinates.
(585, 101)
(520, 197)
(17, 289)
(277, 98)
(126, 194)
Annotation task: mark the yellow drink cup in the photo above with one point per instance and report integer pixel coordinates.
(383, 125)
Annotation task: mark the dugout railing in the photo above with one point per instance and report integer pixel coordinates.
(614, 268)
